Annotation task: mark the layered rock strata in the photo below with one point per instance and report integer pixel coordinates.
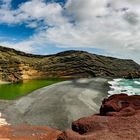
(16, 66)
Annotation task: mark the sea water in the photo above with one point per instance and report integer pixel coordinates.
(127, 86)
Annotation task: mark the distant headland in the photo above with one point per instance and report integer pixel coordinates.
(16, 66)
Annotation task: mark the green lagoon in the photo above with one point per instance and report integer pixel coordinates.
(15, 90)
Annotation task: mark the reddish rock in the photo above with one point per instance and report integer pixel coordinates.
(121, 104)
(119, 119)
(28, 133)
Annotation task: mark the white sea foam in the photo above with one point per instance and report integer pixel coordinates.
(117, 80)
(113, 83)
(130, 87)
(137, 82)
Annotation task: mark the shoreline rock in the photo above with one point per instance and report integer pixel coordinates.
(27, 132)
(119, 119)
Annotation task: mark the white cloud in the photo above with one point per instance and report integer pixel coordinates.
(112, 25)
(33, 10)
(83, 10)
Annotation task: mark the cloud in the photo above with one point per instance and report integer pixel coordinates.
(108, 24)
(34, 10)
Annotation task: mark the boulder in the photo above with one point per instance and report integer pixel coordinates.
(121, 104)
(119, 119)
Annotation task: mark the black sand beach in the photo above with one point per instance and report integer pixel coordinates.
(57, 105)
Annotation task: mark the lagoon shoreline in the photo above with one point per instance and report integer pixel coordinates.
(57, 105)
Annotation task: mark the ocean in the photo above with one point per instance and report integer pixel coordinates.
(127, 86)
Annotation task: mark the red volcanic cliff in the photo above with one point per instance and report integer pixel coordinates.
(119, 119)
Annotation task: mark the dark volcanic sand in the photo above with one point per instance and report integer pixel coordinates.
(57, 105)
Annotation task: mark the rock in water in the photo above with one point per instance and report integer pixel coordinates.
(119, 119)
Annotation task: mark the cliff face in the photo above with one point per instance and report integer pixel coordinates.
(16, 66)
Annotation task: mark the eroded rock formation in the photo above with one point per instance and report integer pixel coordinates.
(16, 66)
(119, 119)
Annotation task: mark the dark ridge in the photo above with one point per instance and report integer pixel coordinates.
(64, 53)
(5, 49)
(69, 52)
(17, 65)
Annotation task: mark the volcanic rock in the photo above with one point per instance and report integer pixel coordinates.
(120, 105)
(119, 119)
(16, 66)
(26, 132)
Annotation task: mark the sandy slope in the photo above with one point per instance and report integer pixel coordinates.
(57, 105)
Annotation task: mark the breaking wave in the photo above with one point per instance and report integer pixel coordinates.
(127, 86)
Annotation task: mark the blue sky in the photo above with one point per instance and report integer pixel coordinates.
(20, 31)
(51, 26)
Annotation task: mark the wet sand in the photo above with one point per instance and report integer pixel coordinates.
(57, 105)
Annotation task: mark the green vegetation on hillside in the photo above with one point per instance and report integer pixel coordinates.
(16, 66)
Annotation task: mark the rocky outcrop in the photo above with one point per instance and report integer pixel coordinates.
(16, 66)
(119, 119)
(26, 132)
(120, 105)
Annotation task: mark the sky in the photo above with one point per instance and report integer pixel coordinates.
(106, 27)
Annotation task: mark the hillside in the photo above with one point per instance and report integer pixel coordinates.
(16, 66)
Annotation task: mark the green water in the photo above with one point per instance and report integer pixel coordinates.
(16, 90)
